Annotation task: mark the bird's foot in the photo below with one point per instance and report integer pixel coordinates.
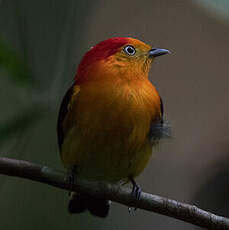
(71, 179)
(136, 191)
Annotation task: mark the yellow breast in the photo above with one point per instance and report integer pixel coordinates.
(106, 132)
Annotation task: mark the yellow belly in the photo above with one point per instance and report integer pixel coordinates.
(110, 160)
(108, 139)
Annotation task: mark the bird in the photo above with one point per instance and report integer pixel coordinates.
(111, 118)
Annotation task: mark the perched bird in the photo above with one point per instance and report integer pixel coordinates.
(110, 118)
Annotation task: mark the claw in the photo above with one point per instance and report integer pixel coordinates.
(71, 179)
(136, 191)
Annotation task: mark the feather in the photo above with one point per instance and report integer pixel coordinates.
(101, 51)
(62, 114)
(160, 129)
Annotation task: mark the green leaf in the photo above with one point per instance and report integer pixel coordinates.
(13, 63)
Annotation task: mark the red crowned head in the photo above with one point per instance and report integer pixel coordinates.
(121, 52)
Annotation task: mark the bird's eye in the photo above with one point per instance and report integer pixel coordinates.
(130, 50)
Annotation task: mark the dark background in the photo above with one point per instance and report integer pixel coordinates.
(41, 43)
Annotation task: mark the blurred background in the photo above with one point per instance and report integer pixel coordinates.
(41, 44)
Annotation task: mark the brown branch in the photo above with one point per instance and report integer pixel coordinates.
(153, 203)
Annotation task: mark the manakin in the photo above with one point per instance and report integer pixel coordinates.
(110, 118)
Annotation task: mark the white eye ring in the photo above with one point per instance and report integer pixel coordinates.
(130, 50)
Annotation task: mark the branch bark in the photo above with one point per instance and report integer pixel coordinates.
(122, 195)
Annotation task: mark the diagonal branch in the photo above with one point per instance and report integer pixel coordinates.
(153, 203)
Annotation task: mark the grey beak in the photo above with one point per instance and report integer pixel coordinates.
(155, 52)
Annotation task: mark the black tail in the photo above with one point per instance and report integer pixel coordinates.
(80, 203)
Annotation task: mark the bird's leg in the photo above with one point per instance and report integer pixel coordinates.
(72, 178)
(136, 191)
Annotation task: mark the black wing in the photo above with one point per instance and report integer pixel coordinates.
(62, 113)
(161, 128)
(162, 111)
